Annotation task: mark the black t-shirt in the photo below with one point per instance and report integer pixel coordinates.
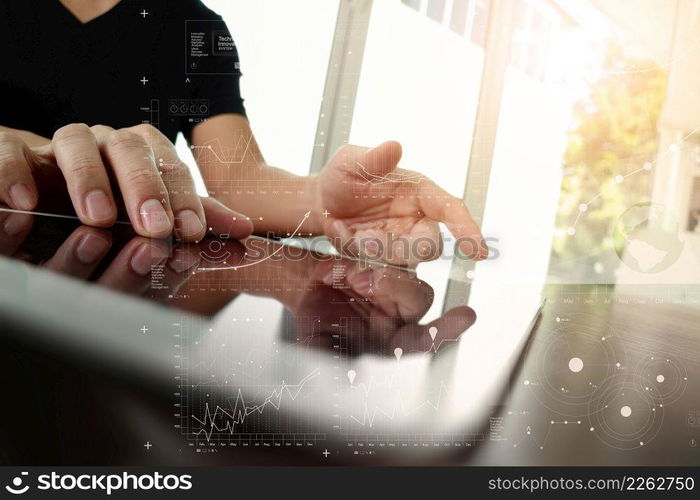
(169, 63)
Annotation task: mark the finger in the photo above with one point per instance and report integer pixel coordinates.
(387, 298)
(440, 206)
(131, 270)
(100, 131)
(400, 241)
(389, 291)
(77, 155)
(437, 334)
(81, 252)
(185, 259)
(373, 164)
(145, 195)
(343, 239)
(190, 222)
(178, 270)
(357, 170)
(14, 229)
(223, 220)
(17, 187)
(403, 295)
(448, 328)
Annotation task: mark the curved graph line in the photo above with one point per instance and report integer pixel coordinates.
(242, 266)
(583, 209)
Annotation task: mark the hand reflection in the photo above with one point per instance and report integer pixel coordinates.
(375, 311)
(369, 309)
(86, 253)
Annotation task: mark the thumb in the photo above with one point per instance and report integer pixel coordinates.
(379, 161)
(223, 220)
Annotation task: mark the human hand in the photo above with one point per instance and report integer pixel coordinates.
(385, 304)
(98, 166)
(86, 251)
(373, 207)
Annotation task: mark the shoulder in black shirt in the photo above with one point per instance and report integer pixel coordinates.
(172, 63)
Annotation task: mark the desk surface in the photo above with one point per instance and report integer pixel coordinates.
(611, 378)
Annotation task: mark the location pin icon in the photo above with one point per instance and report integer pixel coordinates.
(433, 332)
(351, 376)
(398, 352)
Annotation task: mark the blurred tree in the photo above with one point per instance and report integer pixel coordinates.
(614, 135)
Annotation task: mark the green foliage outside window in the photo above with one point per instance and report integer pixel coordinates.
(615, 134)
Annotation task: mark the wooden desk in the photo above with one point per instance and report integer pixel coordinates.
(609, 378)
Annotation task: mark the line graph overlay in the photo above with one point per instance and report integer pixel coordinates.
(225, 397)
(260, 261)
(382, 408)
(228, 420)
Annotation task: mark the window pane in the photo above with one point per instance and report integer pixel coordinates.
(458, 18)
(592, 173)
(481, 14)
(412, 3)
(436, 10)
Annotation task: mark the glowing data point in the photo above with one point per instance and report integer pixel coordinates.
(351, 376)
(433, 332)
(575, 365)
(398, 352)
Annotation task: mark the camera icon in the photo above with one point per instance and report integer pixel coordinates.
(16, 487)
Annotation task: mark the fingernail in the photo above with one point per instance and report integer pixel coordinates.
(371, 249)
(15, 224)
(183, 261)
(98, 206)
(188, 224)
(146, 257)
(154, 218)
(361, 282)
(22, 197)
(91, 248)
(484, 250)
(470, 249)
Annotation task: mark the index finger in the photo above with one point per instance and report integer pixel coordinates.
(441, 206)
(78, 157)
